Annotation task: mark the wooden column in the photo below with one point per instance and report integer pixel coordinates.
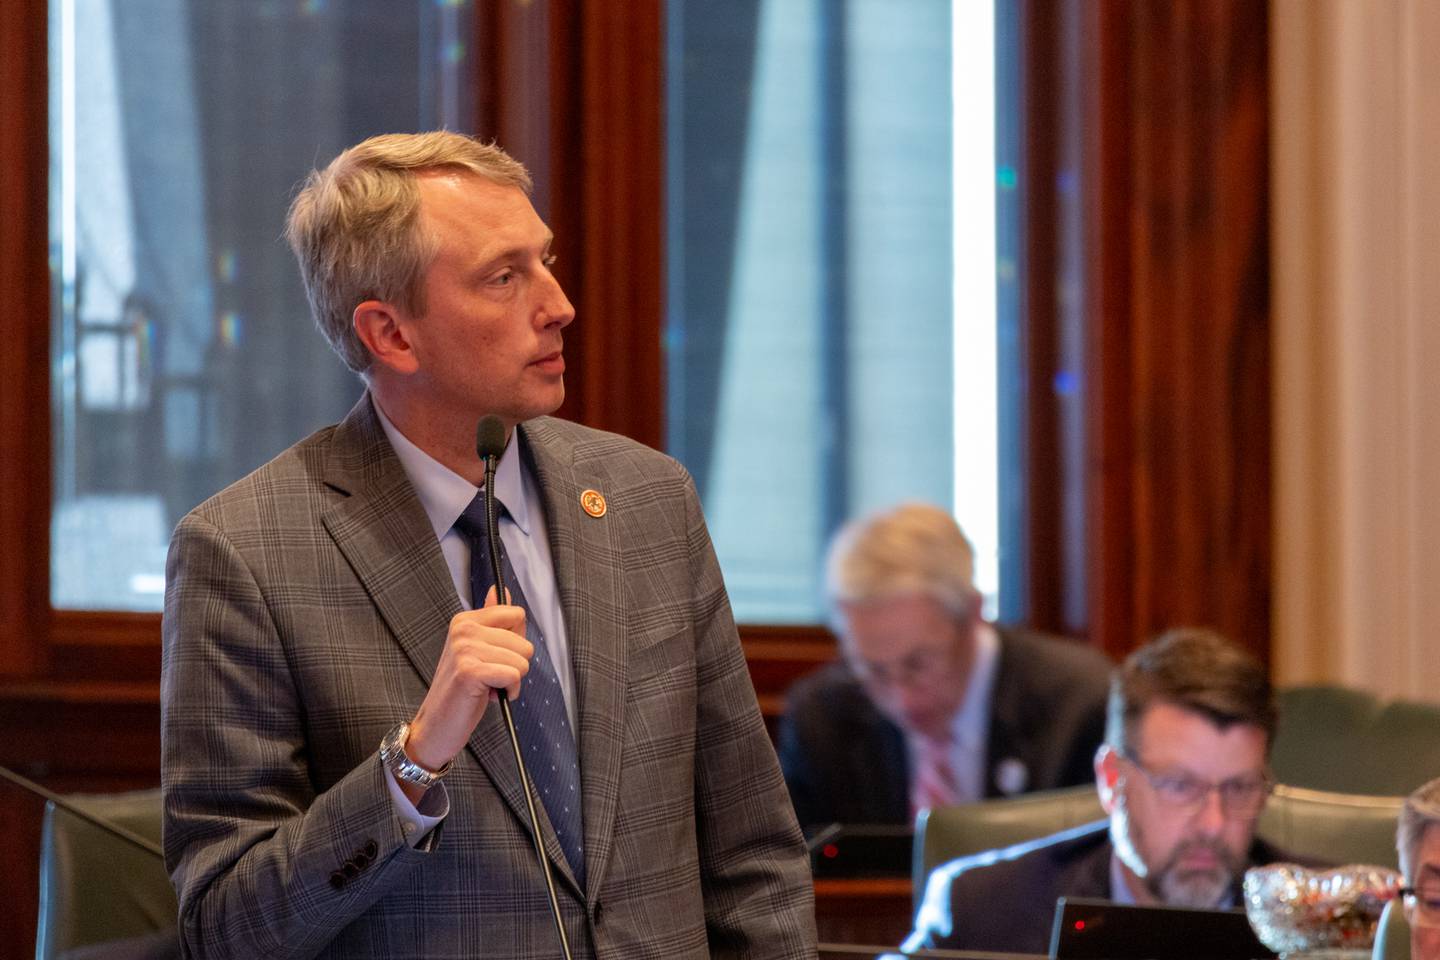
(1158, 253)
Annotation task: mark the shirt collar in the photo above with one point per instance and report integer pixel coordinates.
(971, 724)
(1119, 888)
(445, 494)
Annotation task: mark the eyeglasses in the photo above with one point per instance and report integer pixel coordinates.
(905, 672)
(1422, 906)
(1241, 798)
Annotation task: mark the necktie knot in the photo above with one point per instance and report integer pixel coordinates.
(472, 524)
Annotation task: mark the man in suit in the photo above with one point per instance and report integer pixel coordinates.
(337, 778)
(931, 705)
(1418, 843)
(1183, 776)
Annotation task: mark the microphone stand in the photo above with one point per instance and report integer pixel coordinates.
(492, 531)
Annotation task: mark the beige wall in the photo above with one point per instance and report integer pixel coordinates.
(1355, 121)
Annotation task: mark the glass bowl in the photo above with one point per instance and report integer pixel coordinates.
(1296, 911)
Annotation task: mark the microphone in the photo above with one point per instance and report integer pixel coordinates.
(490, 446)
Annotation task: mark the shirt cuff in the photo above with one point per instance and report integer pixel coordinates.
(416, 821)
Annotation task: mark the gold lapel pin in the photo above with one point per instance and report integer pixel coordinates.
(593, 502)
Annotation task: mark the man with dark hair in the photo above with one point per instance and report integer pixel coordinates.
(1183, 777)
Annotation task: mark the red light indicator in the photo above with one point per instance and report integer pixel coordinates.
(831, 851)
(1079, 924)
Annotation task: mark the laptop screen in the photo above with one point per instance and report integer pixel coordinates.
(1101, 930)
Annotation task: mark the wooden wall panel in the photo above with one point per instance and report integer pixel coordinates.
(1147, 280)
(1161, 257)
(24, 361)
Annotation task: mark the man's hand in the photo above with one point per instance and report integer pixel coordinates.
(485, 652)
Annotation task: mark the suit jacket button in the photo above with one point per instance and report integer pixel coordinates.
(371, 851)
(351, 870)
(338, 880)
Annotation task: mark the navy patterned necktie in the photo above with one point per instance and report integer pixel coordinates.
(541, 720)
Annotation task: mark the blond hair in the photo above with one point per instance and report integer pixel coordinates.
(1421, 811)
(355, 226)
(914, 548)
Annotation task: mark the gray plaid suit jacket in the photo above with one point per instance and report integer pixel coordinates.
(306, 607)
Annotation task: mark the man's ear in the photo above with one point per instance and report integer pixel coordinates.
(381, 327)
(1107, 775)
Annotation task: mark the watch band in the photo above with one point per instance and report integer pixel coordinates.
(392, 754)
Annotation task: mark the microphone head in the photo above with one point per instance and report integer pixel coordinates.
(490, 437)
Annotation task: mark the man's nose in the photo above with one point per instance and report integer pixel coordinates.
(908, 694)
(1211, 815)
(555, 307)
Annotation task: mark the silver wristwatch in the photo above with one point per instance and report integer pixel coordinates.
(392, 754)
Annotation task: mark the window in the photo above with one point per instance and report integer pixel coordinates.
(830, 341)
(183, 353)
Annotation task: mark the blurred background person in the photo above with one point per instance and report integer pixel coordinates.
(931, 705)
(1418, 843)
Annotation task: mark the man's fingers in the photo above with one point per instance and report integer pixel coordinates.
(500, 616)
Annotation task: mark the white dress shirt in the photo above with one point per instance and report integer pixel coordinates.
(445, 494)
(970, 727)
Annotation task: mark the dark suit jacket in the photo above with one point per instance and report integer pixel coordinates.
(306, 608)
(845, 762)
(1004, 900)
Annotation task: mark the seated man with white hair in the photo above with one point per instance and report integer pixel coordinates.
(931, 705)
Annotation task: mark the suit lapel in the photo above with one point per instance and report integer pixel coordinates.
(386, 537)
(1089, 875)
(587, 571)
(891, 789)
(1008, 739)
(383, 532)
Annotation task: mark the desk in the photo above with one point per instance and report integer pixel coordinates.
(863, 910)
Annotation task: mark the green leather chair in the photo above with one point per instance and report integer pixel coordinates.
(1321, 727)
(96, 889)
(1402, 748)
(1392, 935)
(1330, 827)
(946, 833)
(1337, 828)
(1349, 741)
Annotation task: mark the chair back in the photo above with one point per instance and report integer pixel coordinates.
(1336, 828)
(95, 887)
(1402, 751)
(1392, 935)
(945, 833)
(1350, 741)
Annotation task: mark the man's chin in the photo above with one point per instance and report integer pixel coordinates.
(1202, 889)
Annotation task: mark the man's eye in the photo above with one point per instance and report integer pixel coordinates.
(1181, 788)
(503, 280)
(549, 260)
(1241, 789)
